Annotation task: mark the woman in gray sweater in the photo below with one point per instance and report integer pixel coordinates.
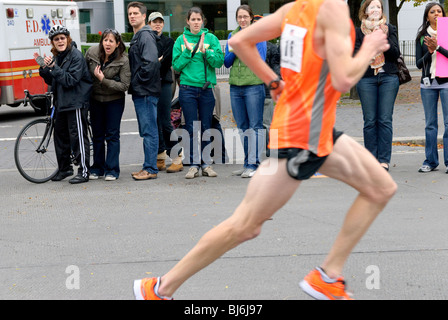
(109, 66)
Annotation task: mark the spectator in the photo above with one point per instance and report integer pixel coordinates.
(165, 49)
(67, 74)
(247, 94)
(378, 88)
(145, 87)
(273, 61)
(196, 54)
(109, 67)
(432, 87)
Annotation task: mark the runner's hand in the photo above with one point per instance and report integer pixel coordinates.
(276, 93)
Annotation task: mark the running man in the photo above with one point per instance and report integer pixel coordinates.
(318, 65)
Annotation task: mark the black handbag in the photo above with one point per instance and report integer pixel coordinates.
(403, 73)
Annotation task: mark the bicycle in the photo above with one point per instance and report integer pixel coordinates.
(34, 151)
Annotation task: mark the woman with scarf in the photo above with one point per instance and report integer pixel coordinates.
(432, 87)
(378, 88)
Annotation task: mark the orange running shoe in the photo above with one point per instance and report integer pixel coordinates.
(145, 289)
(319, 286)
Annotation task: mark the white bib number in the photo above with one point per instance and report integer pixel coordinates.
(292, 47)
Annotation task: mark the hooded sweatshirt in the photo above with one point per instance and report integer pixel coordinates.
(191, 66)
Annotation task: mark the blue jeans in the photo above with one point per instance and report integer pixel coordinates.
(377, 95)
(146, 111)
(430, 98)
(105, 118)
(197, 105)
(164, 119)
(247, 108)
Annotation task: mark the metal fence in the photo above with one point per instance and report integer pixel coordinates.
(222, 72)
(407, 49)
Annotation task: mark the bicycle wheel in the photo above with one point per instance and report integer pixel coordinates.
(34, 152)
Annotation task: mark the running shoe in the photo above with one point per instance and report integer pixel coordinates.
(192, 173)
(145, 289)
(209, 172)
(248, 173)
(425, 168)
(319, 286)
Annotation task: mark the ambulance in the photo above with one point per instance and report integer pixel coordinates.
(24, 27)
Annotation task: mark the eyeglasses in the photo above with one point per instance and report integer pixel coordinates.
(115, 32)
(243, 17)
(59, 39)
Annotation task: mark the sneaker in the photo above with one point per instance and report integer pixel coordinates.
(425, 168)
(209, 172)
(446, 171)
(248, 173)
(238, 172)
(145, 175)
(110, 177)
(145, 289)
(94, 176)
(79, 178)
(319, 286)
(61, 175)
(192, 173)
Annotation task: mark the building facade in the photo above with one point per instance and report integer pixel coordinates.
(95, 16)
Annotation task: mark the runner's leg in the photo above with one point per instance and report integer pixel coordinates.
(351, 163)
(266, 193)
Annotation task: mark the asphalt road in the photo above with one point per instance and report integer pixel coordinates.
(90, 241)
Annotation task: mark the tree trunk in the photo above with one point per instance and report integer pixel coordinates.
(354, 6)
(393, 13)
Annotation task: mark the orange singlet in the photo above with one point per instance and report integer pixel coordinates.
(305, 114)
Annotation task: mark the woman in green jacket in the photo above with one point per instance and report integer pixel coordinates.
(196, 54)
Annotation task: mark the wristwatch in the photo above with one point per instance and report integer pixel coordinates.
(274, 84)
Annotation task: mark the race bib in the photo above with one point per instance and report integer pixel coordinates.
(292, 47)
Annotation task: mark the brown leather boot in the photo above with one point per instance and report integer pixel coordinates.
(161, 157)
(175, 168)
(161, 164)
(177, 165)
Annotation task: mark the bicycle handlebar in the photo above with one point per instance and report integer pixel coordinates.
(30, 97)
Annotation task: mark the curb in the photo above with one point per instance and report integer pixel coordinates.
(419, 140)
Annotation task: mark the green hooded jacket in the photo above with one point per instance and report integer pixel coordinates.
(192, 68)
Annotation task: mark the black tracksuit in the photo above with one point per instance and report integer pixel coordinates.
(71, 85)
